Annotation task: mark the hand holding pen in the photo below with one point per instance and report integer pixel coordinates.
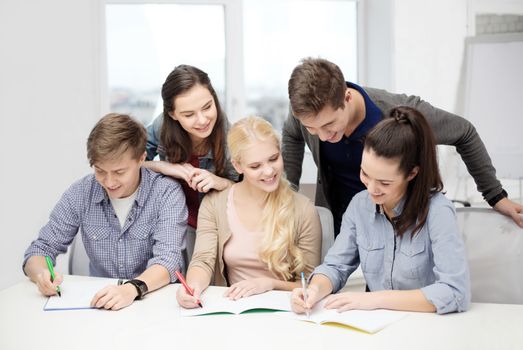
(304, 288)
(53, 276)
(186, 296)
(303, 299)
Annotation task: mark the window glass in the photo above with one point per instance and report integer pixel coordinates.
(146, 41)
(279, 33)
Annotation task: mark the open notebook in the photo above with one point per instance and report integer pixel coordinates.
(370, 321)
(77, 295)
(213, 302)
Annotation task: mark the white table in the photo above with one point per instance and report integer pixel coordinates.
(154, 323)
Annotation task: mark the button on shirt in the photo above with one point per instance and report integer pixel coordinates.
(433, 260)
(152, 233)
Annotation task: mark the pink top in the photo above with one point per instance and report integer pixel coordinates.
(241, 251)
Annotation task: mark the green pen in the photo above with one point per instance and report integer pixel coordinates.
(51, 270)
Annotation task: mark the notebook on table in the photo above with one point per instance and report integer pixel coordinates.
(77, 295)
(369, 321)
(214, 302)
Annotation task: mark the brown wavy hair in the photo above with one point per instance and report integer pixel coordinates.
(406, 135)
(176, 141)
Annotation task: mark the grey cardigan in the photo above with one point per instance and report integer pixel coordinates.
(449, 129)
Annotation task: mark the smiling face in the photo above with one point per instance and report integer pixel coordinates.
(329, 124)
(196, 112)
(119, 177)
(384, 181)
(261, 165)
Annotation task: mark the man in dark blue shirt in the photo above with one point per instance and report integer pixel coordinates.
(332, 116)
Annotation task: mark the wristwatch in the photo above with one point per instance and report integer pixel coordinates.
(494, 200)
(140, 286)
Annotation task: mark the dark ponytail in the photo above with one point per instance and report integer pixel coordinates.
(406, 135)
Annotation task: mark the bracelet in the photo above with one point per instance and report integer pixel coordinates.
(140, 286)
(494, 200)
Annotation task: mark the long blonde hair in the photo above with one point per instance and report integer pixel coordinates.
(279, 250)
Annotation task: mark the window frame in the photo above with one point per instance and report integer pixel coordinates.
(235, 101)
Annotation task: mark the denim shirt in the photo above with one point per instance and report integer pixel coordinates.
(154, 147)
(434, 260)
(153, 233)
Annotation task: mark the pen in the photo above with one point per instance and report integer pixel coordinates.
(304, 287)
(186, 286)
(51, 270)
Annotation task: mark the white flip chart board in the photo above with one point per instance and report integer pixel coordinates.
(494, 98)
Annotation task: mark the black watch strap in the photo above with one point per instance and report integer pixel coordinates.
(141, 288)
(494, 200)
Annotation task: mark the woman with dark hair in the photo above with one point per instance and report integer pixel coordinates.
(190, 139)
(402, 230)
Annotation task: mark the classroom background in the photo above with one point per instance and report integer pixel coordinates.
(64, 64)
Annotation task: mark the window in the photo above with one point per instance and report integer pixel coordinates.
(146, 41)
(278, 34)
(248, 48)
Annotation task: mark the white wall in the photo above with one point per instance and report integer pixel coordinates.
(428, 61)
(376, 47)
(428, 48)
(49, 101)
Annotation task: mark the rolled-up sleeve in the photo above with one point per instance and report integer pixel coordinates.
(451, 291)
(342, 258)
(170, 230)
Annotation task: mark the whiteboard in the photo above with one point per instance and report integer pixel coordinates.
(494, 98)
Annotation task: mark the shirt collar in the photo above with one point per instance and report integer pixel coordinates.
(208, 155)
(144, 186)
(378, 209)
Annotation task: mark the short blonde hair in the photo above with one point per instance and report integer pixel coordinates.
(113, 135)
(279, 250)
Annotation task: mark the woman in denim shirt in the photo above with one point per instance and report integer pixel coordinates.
(401, 230)
(190, 139)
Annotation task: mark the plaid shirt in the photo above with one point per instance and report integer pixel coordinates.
(153, 232)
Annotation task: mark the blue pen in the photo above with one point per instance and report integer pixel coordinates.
(304, 287)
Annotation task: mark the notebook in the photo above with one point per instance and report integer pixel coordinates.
(214, 302)
(77, 295)
(370, 321)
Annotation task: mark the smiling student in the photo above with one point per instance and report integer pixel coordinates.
(259, 234)
(132, 220)
(189, 138)
(401, 230)
(332, 116)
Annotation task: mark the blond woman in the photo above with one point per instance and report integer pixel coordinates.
(257, 235)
